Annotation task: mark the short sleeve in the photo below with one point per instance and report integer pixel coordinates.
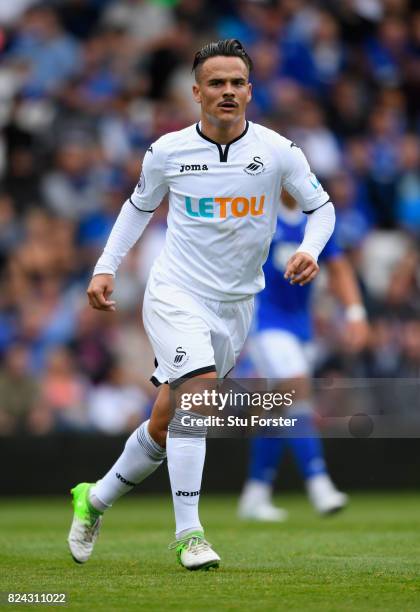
(152, 185)
(301, 183)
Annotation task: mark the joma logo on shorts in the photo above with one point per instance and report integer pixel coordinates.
(193, 167)
(187, 493)
(239, 206)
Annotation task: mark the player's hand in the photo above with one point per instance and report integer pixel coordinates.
(356, 336)
(100, 288)
(301, 269)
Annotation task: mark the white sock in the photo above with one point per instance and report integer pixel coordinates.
(256, 492)
(185, 465)
(140, 458)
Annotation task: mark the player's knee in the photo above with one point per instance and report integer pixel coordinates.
(187, 425)
(158, 431)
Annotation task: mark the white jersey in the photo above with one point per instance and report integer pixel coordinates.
(223, 204)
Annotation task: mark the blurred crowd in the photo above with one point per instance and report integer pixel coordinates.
(87, 85)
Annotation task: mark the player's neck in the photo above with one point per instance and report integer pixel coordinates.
(222, 134)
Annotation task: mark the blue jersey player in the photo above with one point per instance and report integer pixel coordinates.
(281, 348)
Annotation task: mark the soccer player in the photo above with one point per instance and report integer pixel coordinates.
(281, 348)
(224, 177)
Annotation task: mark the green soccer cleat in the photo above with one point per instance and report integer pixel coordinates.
(86, 524)
(195, 553)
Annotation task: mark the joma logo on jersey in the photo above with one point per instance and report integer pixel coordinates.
(192, 167)
(239, 206)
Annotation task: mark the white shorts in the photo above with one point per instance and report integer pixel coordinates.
(191, 335)
(277, 353)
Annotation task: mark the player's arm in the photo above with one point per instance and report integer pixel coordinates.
(343, 285)
(134, 216)
(304, 187)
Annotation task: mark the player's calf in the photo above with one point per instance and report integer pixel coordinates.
(161, 416)
(140, 458)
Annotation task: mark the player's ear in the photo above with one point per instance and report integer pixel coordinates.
(249, 98)
(196, 93)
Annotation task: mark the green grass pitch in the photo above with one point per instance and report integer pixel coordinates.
(367, 558)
